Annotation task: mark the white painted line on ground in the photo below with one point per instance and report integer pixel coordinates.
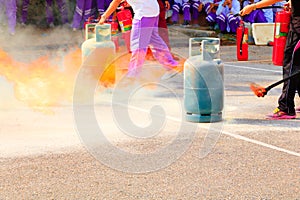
(236, 136)
(253, 68)
(260, 143)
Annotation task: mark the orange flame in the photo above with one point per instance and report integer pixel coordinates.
(41, 84)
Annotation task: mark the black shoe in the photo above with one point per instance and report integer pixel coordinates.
(186, 23)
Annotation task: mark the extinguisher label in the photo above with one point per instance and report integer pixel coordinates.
(245, 39)
(277, 30)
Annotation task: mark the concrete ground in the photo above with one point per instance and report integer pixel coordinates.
(64, 154)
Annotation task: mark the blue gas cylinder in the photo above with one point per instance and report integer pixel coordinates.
(98, 54)
(203, 81)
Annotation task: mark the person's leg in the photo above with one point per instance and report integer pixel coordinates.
(100, 6)
(78, 14)
(175, 15)
(211, 16)
(186, 11)
(195, 12)
(24, 15)
(233, 22)
(260, 17)
(222, 22)
(160, 49)
(88, 6)
(250, 17)
(62, 5)
(11, 13)
(106, 5)
(49, 12)
(2, 11)
(286, 99)
(141, 33)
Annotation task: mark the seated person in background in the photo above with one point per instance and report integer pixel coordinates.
(210, 8)
(257, 16)
(185, 6)
(225, 15)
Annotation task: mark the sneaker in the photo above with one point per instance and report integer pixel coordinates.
(278, 114)
(186, 23)
(175, 23)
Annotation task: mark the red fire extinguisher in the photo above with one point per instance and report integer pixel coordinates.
(242, 42)
(124, 17)
(281, 29)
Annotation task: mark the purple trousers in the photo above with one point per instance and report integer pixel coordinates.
(11, 13)
(256, 16)
(102, 5)
(211, 16)
(62, 8)
(228, 23)
(186, 11)
(24, 15)
(144, 33)
(82, 12)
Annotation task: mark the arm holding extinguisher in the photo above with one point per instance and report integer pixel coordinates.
(263, 3)
(112, 8)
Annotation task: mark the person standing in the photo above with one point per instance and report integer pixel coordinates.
(144, 33)
(10, 7)
(62, 6)
(286, 105)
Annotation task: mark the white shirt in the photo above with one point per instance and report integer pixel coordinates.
(144, 8)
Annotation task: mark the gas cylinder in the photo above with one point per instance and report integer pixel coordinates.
(203, 81)
(91, 23)
(98, 54)
(242, 42)
(281, 29)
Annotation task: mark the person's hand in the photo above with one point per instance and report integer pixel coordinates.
(102, 19)
(229, 4)
(226, 2)
(287, 6)
(167, 5)
(200, 7)
(247, 9)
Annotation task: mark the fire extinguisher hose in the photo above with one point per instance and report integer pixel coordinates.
(242, 38)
